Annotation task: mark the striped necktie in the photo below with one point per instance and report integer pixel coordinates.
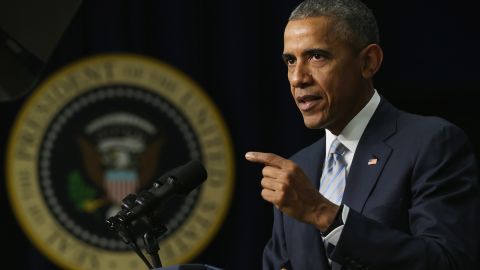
(332, 183)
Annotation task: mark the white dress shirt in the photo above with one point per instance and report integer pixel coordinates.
(349, 137)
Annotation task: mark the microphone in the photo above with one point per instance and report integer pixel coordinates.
(179, 181)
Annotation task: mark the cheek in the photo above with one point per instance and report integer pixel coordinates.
(323, 77)
(332, 90)
(326, 84)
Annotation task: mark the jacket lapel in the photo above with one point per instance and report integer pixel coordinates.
(370, 157)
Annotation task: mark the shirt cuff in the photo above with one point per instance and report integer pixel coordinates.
(334, 236)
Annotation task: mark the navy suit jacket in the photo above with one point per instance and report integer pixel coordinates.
(417, 208)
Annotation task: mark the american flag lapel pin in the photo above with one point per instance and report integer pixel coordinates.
(372, 161)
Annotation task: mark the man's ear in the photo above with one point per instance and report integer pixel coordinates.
(371, 57)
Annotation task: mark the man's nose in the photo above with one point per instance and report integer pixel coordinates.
(301, 76)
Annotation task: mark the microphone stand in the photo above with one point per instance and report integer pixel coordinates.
(150, 239)
(144, 225)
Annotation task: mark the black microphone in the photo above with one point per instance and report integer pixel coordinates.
(179, 181)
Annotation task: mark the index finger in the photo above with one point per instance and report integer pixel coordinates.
(266, 158)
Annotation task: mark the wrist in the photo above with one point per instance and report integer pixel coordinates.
(326, 214)
(335, 223)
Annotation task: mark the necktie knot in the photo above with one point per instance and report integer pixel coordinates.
(337, 148)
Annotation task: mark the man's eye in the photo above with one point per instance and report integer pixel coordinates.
(318, 56)
(289, 61)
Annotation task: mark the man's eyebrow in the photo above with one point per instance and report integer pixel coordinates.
(322, 52)
(287, 56)
(309, 52)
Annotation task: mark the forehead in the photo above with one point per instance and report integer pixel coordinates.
(309, 33)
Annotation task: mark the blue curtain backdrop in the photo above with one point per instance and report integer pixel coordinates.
(232, 49)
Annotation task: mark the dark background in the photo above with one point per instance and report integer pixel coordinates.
(232, 49)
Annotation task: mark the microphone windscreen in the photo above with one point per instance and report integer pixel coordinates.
(188, 176)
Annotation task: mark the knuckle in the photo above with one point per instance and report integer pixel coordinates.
(264, 182)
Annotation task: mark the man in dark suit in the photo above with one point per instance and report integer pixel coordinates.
(383, 189)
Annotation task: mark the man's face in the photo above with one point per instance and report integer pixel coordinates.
(324, 73)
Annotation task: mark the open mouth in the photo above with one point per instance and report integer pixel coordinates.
(307, 102)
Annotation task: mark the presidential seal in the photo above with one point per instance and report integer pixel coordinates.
(105, 127)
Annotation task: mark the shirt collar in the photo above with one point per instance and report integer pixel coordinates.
(350, 135)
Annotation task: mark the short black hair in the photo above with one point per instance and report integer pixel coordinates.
(353, 21)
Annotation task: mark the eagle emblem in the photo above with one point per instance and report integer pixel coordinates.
(120, 152)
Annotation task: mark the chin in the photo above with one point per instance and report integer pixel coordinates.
(312, 124)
